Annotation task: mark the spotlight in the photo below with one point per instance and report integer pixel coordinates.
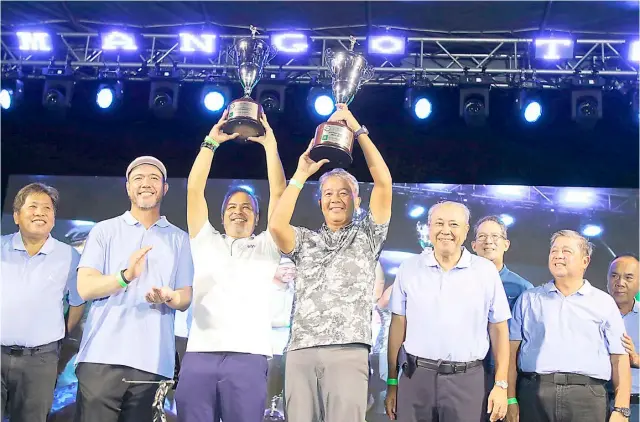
(58, 88)
(591, 230)
(507, 220)
(532, 111)
(417, 103)
(215, 97)
(11, 94)
(320, 101)
(108, 94)
(474, 99)
(417, 211)
(271, 97)
(586, 101)
(163, 96)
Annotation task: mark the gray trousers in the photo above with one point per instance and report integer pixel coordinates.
(327, 384)
(548, 402)
(431, 397)
(103, 396)
(28, 382)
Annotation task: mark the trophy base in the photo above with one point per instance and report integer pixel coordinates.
(338, 157)
(245, 126)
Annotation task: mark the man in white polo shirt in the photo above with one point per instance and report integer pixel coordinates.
(224, 372)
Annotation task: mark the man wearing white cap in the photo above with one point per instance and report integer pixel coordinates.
(137, 269)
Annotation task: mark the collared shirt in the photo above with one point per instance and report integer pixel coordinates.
(632, 325)
(573, 334)
(233, 278)
(447, 311)
(335, 274)
(33, 291)
(513, 284)
(124, 329)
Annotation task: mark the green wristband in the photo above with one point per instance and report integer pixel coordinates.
(392, 381)
(209, 140)
(297, 184)
(120, 279)
(512, 401)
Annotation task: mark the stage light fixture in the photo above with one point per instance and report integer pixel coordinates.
(474, 99)
(215, 97)
(58, 88)
(109, 94)
(11, 94)
(507, 220)
(320, 101)
(553, 49)
(271, 97)
(634, 51)
(417, 211)
(386, 44)
(586, 101)
(163, 95)
(529, 106)
(417, 102)
(591, 230)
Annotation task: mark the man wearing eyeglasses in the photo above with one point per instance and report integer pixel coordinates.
(491, 242)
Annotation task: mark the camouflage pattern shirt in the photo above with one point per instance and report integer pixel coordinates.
(334, 283)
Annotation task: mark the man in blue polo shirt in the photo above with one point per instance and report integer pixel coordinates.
(137, 268)
(37, 273)
(566, 337)
(444, 332)
(623, 287)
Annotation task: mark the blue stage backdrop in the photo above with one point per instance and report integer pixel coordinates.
(532, 213)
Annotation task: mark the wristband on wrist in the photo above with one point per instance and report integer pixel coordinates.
(392, 381)
(512, 401)
(297, 184)
(210, 143)
(121, 280)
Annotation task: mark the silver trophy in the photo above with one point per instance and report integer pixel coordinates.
(251, 55)
(334, 140)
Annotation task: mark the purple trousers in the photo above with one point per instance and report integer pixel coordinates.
(227, 386)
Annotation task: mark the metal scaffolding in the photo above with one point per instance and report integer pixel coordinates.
(429, 61)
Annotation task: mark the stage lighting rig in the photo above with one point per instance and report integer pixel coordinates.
(110, 91)
(11, 92)
(474, 98)
(271, 96)
(215, 96)
(163, 95)
(528, 102)
(320, 100)
(586, 100)
(417, 101)
(58, 88)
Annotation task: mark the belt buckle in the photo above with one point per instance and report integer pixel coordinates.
(461, 366)
(560, 379)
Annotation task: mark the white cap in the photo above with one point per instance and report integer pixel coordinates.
(147, 159)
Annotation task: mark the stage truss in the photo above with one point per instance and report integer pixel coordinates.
(428, 61)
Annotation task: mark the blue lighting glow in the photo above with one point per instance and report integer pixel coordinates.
(532, 112)
(507, 219)
(323, 105)
(104, 99)
(417, 211)
(591, 230)
(422, 108)
(214, 101)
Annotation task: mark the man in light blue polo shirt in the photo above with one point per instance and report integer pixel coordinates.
(137, 268)
(623, 287)
(442, 302)
(567, 337)
(37, 273)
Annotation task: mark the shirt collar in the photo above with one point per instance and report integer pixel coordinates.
(504, 271)
(583, 291)
(131, 220)
(463, 262)
(636, 307)
(18, 244)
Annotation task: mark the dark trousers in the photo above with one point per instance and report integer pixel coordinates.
(28, 381)
(275, 379)
(104, 397)
(431, 397)
(548, 402)
(227, 386)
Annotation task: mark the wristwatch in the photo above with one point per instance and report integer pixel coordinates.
(362, 131)
(502, 384)
(626, 412)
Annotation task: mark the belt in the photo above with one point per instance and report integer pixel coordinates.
(447, 367)
(30, 351)
(560, 378)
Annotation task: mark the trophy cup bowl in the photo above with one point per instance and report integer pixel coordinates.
(334, 140)
(251, 55)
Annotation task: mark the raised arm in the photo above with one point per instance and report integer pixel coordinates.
(197, 210)
(280, 221)
(275, 172)
(382, 193)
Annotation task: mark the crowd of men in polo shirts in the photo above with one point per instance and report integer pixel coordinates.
(469, 339)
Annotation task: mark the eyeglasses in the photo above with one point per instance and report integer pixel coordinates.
(483, 237)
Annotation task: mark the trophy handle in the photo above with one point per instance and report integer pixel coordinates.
(367, 74)
(273, 51)
(328, 56)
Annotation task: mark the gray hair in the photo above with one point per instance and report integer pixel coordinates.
(467, 213)
(344, 175)
(495, 219)
(586, 247)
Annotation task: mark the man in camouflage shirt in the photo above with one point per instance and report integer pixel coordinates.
(326, 369)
